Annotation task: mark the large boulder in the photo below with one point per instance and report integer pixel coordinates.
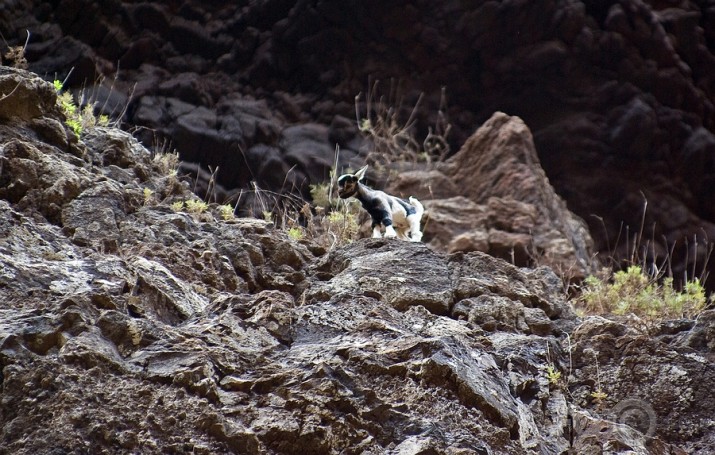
(504, 203)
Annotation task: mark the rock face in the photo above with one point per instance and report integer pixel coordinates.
(126, 326)
(499, 201)
(619, 95)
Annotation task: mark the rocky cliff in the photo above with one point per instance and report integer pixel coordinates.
(619, 95)
(129, 324)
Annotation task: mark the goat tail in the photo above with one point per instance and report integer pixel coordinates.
(419, 208)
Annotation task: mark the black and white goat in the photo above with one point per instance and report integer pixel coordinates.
(388, 211)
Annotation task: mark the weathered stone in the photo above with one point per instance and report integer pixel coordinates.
(664, 385)
(117, 147)
(401, 274)
(617, 95)
(701, 335)
(160, 295)
(503, 205)
(598, 435)
(492, 313)
(89, 350)
(126, 332)
(25, 96)
(468, 242)
(428, 184)
(94, 216)
(499, 167)
(195, 334)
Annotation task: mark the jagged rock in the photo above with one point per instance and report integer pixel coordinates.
(427, 184)
(395, 274)
(476, 274)
(43, 184)
(118, 148)
(505, 205)
(597, 436)
(701, 335)
(95, 215)
(25, 96)
(618, 95)
(188, 333)
(159, 293)
(665, 385)
(453, 222)
(502, 314)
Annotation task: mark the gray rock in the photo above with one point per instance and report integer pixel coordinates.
(493, 196)
(401, 274)
(25, 95)
(95, 215)
(664, 385)
(199, 334)
(700, 336)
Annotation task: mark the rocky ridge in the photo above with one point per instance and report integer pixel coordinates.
(129, 327)
(619, 95)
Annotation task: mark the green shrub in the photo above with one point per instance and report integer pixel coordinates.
(77, 119)
(196, 206)
(320, 194)
(633, 291)
(343, 225)
(295, 233)
(226, 211)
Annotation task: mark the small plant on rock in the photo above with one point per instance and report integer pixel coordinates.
(178, 206)
(77, 119)
(148, 193)
(167, 163)
(15, 55)
(553, 375)
(295, 233)
(226, 211)
(196, 206)
(598, 396)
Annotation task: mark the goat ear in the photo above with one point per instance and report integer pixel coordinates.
(360, 174)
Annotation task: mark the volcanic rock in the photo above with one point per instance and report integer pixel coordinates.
(619, 96)
(151, 329)
(504, 204)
